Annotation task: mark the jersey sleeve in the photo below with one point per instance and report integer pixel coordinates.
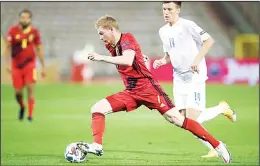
(197, 32)
(37, 40)
(161, 37)
(128, 42)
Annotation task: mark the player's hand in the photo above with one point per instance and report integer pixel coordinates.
(146, 58)
(195, 67)
(43, 73)
(8, 70)
(95, 56)
(159, 63)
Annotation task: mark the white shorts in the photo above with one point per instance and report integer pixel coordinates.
(190, 95)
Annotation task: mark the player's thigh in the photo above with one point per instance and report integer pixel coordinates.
(157, 99)
(17, 79)
(180, 95)
(121, 101)
(30, 76)
(180, 100)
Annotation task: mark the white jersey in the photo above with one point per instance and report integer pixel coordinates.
(182, 41)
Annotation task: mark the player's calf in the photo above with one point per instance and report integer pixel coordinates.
(31, 101)
(194, 114)
(19, 99)
(194, 127)
(99, 110)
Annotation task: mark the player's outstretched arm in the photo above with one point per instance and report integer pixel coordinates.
(126, 59)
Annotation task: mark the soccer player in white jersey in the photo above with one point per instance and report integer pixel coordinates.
(185, 44)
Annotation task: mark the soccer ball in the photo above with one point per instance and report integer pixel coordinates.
(74, 154)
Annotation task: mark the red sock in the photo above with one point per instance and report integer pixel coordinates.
(19, 99)
(199, 131)
(98, 127)
(30, 107)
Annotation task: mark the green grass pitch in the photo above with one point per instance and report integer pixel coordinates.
(143, 137)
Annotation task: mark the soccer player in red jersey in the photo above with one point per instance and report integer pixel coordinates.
(141, 89)
(21, 41)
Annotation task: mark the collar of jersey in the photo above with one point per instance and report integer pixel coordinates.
(117, 42)
(27, 30)
(175, 23)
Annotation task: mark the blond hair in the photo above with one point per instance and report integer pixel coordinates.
(106, 22)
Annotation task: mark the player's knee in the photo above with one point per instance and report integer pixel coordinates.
(30, 95)
(18, 96)
(102, 107)
(18, 91)
(96, 108)
(30, 89)
(168, 119)
(175, 120)
(174, 117)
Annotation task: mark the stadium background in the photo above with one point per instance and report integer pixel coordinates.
(73, 84)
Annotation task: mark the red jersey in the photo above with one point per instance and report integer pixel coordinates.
(23, 44)
(136, 77)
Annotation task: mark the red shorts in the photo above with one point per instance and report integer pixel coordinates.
(24, 76)
(153, 98)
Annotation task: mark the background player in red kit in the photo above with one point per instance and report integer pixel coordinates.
(141, 89)
(21, 41)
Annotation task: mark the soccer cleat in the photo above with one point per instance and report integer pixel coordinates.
(21, 114)
(29, 119)
(223, 153)
(229, 113)
(93, 148)
(211, 153)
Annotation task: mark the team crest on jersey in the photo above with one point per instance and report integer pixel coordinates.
(17, 37)
(31, 37)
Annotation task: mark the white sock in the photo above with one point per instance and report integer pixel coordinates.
(210, 113)
(97, 145)
(207, 144)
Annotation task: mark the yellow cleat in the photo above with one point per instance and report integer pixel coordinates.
(229, 113)
(212, 153)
